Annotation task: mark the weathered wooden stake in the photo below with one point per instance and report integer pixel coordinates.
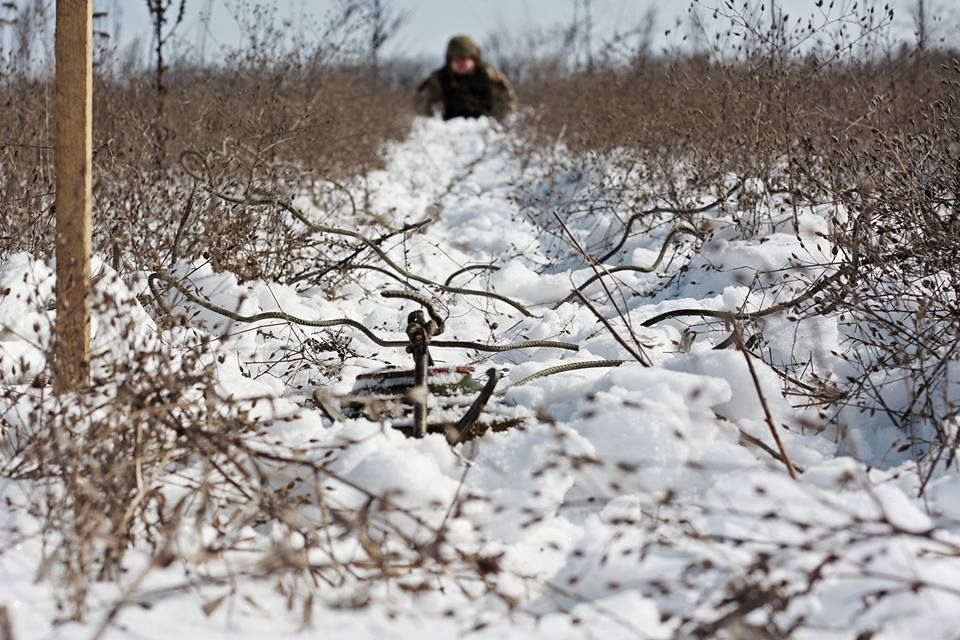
(74, 159)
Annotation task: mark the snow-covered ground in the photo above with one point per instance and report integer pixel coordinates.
(633, 505)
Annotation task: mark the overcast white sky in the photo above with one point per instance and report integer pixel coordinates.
(432, 22)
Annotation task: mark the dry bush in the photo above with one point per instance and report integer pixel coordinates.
(698, 117)
(299, 118)
(771, 120)
(263, 131)
(896, 230)
(264, 124)
(158, 461)
(758, 98)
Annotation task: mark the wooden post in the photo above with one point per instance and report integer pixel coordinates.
(74, 160)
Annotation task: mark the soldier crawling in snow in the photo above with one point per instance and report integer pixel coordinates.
(466, 86)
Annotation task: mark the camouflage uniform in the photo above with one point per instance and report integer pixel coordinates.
(484, 92)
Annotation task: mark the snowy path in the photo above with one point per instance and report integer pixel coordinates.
(631, 511)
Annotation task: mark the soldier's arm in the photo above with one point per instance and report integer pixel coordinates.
(429, 95)
(504, 97)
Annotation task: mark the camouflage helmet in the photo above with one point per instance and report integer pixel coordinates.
(462, 47)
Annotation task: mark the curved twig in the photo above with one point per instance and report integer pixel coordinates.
(472, 267)
(265, 315)
(680, 228)
(656, 210)
(319, 228)
(423, 301)
(500, 348)
(350, 266)
(735, 315)
(280, 315)
(257, 156)
(490, 294)
(561, 368)
(354, 209)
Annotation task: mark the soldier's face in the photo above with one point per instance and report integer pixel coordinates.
(463, 66)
